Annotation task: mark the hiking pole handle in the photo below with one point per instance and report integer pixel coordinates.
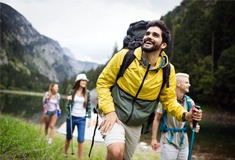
(194, 121)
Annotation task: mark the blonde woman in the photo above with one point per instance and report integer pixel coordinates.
(79, 108)
(52, 101)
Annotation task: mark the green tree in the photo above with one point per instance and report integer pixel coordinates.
(225, 76)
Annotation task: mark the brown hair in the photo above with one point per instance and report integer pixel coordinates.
(166, 35)
(84, 92)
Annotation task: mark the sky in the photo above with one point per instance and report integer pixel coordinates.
(89, 28)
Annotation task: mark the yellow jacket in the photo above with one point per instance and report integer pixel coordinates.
(128, 85)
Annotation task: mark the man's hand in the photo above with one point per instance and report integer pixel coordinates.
(194, 114)
(109, 121)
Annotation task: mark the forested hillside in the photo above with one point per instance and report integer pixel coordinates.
(203, 45)
(30, 60)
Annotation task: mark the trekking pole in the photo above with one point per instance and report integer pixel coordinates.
(71, 127)
(96, 125)
(192, 136)
(42, 119)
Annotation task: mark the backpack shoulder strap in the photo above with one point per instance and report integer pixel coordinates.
(166, 74)
(189, 102)
(163, 125)
(128, 58)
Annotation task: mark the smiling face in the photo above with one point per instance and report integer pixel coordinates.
(152, 40)
(54, 88)
(83, 83)
(183, 84)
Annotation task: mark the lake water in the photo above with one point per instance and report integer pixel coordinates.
(27, 107)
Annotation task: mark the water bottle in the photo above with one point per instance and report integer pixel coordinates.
(58, 112)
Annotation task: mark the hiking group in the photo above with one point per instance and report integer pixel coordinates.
(126, 102)
(129, 88)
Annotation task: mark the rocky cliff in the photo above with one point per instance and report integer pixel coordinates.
(25, 49)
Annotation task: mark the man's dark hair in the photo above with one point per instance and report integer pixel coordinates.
(166, 35)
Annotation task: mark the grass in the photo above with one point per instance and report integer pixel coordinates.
(19, 140)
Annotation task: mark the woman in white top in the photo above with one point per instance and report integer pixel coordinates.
(79, 105)
(52, 101)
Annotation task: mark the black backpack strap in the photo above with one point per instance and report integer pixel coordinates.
(128, 58)
(166, 75)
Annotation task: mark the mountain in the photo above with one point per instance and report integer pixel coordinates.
(25, 50)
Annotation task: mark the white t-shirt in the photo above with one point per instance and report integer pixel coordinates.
(78, 109)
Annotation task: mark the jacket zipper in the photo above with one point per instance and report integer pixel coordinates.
(133, 102)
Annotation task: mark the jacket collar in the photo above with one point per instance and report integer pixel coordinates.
(161, 62)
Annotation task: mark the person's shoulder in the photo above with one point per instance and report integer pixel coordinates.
(58, 95)
(118, 57)
(189, 99)
(122, 52)
(171, 65)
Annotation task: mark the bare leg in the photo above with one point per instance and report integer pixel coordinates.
(80, 150)
(116, 151)
(66, 147)
(47, 122)
(52, 125)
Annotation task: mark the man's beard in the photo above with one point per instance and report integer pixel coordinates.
(152, 49)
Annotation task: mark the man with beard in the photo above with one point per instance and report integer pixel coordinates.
(134, 96)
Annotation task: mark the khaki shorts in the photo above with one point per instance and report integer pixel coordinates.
(169, 151)
(129, 135)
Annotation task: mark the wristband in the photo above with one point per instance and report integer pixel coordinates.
(184, 117)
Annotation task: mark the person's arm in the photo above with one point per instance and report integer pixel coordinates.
(88, 108)
(45, 98)
(58, 101)
(169, 101)
(106, 80)
(88, 105)
(69, 100)
(156, 124)
(168, 98)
